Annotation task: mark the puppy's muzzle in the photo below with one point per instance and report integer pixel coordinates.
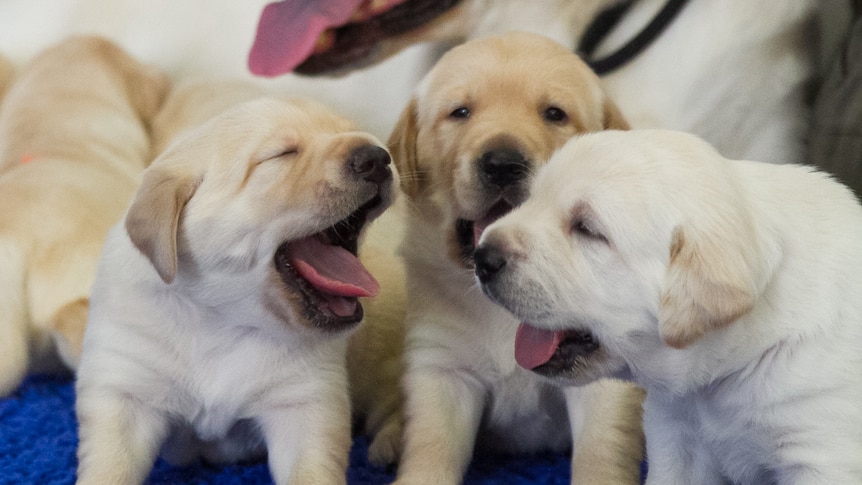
(503, 167)
(502, 173)
(320, 273)
(371, 163)
(565, 354)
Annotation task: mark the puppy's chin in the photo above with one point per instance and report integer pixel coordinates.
(316, 281)
(567, 357)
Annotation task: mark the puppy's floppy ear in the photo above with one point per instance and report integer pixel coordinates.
(148, 89)
(709, 284)
(146, 86)
(7, 70)
(614, 119)
(154, 216)
(402, 145)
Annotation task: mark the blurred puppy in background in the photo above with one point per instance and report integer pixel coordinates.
(74, 138)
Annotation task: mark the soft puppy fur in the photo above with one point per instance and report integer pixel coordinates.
(488, 114)
(193, 102)
(223, 301)
(729, 289)
(74, 138)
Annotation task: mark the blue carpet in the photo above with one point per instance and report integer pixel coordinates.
(38, 438)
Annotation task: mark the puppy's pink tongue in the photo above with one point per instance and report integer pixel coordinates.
(535, 346)
(288, 31)
(499, 210)
(333, 270)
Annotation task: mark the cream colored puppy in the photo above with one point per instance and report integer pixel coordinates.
(220, 313)
(487, 115)
(729, 289)
(74, 137)
(375, 348)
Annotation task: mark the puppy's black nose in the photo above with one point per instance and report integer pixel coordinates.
(371, 162)
(489, 262)
(503, 167)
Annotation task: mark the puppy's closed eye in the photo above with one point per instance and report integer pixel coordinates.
(278, 153)
(585, 228)
(585, 225)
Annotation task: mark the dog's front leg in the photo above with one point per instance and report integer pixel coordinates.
(119, 439)
(607, 434)
(308, 443)
(444, 408)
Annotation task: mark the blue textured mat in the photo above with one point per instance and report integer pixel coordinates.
(38, 439)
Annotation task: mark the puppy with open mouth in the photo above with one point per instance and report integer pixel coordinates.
(223, 302)
(728, 289)
(483, 119)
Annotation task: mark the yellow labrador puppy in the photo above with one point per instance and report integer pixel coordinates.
(729, 289)
(74, 139)
(374, 351)
(484, 118)
(221, 308)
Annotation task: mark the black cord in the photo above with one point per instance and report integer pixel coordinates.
(608, 19)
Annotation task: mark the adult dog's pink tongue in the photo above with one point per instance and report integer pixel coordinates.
(535, 346)
(333, 270)
(288, 30)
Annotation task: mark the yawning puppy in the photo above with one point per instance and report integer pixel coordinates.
(222, 305)
(488, 114)
(74, 138)
(729, 289)
(374, 349)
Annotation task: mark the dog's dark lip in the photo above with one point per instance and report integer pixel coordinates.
(465, 229)
(464, 237)
(356, 43)
(345, 233)
(577, 345)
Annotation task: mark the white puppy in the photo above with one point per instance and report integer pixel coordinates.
(222, 304)
(729, 289)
